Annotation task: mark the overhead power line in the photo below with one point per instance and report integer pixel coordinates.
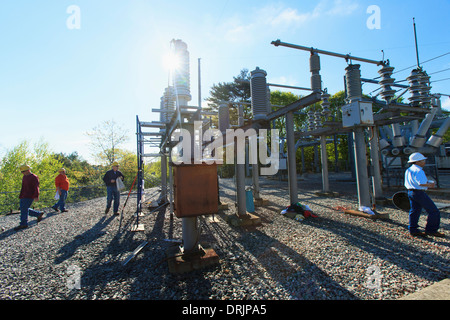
(440, 80)
(440, 56)
(438, 71)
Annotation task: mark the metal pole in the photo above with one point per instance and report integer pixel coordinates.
(140, 165)
(289, 87)
(239, 172)
(339, 55)
(303, 160)
(199, 85)
(417, 48)
(189, 224)
(375, 158)
(163, 197)
(292, 170)
(336, 154)
(255, 177)
(240, 189)
(170, 188)
(323, 153)
(362, 178)
(190, 234)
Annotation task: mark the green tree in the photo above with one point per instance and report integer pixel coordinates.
(79, 171)
(43, 163)
(280, 99)
(236, 91)
(152, 174)
(106, 138)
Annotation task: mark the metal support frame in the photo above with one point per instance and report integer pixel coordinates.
(375, 160)
(324, 157)
(347, 57)
(140, 160)
(362, 178)
(392, 115)
(141, 142)
(291, 162)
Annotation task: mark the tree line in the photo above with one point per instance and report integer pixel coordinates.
(85, 178)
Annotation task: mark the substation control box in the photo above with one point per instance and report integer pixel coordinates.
(357, 113)
(196, 189)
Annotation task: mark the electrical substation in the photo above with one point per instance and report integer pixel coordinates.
(379, 141)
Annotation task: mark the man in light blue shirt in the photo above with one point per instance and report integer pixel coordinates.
(416, 182)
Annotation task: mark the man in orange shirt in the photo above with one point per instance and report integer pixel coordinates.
(62, 188)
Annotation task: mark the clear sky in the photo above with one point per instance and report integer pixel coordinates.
(56, 83)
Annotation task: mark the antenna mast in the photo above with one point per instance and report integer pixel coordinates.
(417, 49)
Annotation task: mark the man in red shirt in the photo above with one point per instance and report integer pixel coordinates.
(28, 193)
(62, 188)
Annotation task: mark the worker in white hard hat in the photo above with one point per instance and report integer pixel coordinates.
(417, 183)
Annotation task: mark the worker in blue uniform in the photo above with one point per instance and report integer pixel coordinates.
(417, 183)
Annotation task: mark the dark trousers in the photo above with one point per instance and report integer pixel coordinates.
(419, 200)
(113, 194)
(26, 211)
(62, 200)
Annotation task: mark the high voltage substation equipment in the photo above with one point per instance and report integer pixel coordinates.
(191, 189)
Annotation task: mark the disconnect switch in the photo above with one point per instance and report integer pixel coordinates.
(357, 113)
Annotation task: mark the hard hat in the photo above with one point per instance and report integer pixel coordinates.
(24, 167)
(416, 156)
(115, 164)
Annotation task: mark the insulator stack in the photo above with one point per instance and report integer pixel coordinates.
(326, 105)
(169, 102)
(258, 91)
(314, 67)
(318, 119)
(353, 81)
(311, 120)
(414, 88)
(386, 81)
(424, 81)
(224, 117)
(182, 74)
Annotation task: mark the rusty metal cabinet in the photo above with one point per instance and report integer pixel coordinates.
(195, 190)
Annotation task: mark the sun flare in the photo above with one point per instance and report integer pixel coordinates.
(171, 61)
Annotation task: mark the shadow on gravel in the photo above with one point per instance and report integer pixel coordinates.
(426, 264)
(5, 234)
(145, 277)
(87, 237)
(301, 278)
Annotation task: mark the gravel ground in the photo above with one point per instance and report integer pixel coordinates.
(332, 257)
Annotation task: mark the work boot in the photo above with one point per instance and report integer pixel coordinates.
(20, 227)
(436, 234)
(55, 208)
(116, 213)
(107, 210)
(418, 234)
